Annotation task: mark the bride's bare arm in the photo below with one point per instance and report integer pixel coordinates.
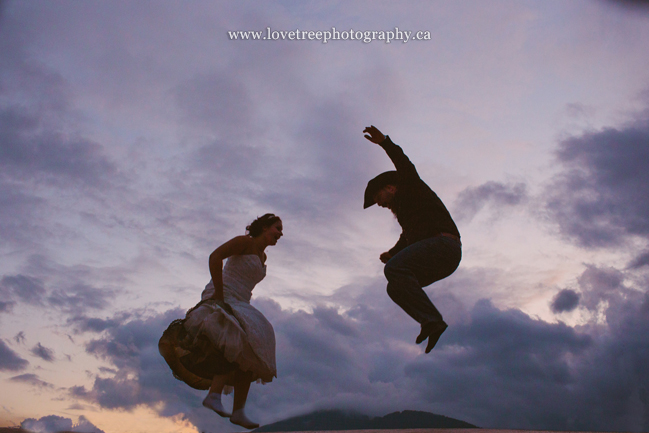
(232, 247)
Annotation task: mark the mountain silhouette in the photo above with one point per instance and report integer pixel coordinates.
(345, 420)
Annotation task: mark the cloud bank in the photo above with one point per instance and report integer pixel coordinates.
(54, 424)
(600, 198)
(496, 368)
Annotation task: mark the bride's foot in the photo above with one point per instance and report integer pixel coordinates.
(239, 418)
(213, 401)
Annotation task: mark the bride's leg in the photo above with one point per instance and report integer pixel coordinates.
(241, 388)
(213, 399)
(218, 382)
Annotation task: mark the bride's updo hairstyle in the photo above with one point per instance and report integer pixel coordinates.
(257, 226)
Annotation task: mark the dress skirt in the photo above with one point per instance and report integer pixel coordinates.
(217, 338)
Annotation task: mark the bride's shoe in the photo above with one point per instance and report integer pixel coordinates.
(213, 401)
(239, 418)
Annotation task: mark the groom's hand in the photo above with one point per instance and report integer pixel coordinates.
(384, 257)
(374, 135)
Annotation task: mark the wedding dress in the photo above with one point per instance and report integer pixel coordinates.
(217, 339)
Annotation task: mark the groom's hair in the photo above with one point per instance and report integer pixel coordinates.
(257, 226)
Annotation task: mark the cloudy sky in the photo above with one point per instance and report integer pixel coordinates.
(136, 137)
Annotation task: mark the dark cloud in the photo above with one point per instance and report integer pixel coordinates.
(9, 360)
(80, 297)
(43, 352)
(141, 375)
(564, 301)
(107, 370)
(615, 378)
(314, 350)
(71, 296)
(119, 394)
(600, 197)
(338, 358)
(332, 320)
(32, 379)
(640, 261)
(315, 346)
(27, 289)
(30, 152)
(92, 324)
(599, 285)
(20, 337)
(122, 345)
(495, 368)
(473, 199)
(505, 369)
(633, 5)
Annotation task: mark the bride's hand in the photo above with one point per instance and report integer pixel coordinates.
(221, 303)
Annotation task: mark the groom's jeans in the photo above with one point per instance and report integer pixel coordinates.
(417, 266)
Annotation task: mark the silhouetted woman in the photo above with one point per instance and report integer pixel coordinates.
(224, 341)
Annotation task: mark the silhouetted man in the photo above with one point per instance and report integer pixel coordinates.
(429, 247)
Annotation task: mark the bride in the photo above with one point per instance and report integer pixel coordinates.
(224, 341)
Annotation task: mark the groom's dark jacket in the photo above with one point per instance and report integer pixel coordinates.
(420, 212)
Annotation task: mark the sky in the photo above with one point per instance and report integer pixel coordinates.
(138, 136)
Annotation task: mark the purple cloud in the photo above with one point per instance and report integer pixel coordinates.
(564, 301)
(600, 197)
(10, 360)
(487, 367)
(27, 289)
(54, 424)
(32, 379)
(471, 200)
(42, 352)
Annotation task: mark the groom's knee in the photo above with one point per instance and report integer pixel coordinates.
(393, 292)
(394, 272)
(389, 270)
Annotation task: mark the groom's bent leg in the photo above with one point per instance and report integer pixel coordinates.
(417, 266)
(405, 289)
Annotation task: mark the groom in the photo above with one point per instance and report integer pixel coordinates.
(429, 248)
